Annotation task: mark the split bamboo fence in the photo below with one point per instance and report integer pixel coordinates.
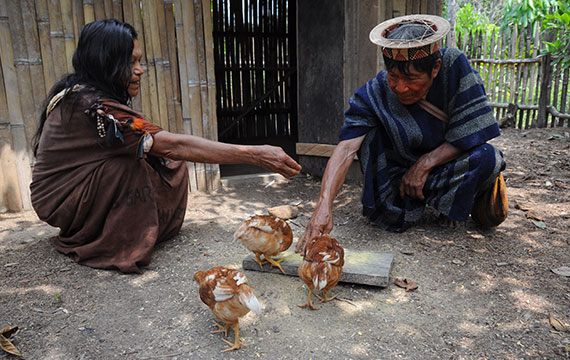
(37, 41)
(523, 86)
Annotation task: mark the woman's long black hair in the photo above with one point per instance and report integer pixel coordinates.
(101, 61)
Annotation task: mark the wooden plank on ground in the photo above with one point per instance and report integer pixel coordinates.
(360, 267)
(310, 149)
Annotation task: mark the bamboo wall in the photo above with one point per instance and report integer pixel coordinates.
(514, 73)
(37, 41)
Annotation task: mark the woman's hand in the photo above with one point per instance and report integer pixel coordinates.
(197, 149)
(321, 223)
(274, 159)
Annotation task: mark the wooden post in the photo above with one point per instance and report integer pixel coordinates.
(88, 11)
(554, 94)
(10, 199)
(193, 83)
(564, 96)
(211, 119)
(42, 19)
(78, 19)
(19, 144)
(68, 32)
(22, 64)
(99, 9)
(37, 90)
(545, 85)
(176, 125)
(184, 94)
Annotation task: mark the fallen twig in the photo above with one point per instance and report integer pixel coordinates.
(160, 356)
(346, 300)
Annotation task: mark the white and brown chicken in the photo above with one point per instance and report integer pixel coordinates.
(229, 296)
(323, 259)
(267, 236)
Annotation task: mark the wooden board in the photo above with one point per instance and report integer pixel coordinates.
(322, 150)
(360, 267)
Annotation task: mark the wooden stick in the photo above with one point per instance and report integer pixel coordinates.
(564, 95)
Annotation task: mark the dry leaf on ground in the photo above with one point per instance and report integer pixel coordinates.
(558, 324)
(522, 206)
(539, 224)
(531, 214)
(562, 271)
(6, 344)
(407, 284)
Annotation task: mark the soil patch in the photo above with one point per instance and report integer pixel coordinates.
(482, 294)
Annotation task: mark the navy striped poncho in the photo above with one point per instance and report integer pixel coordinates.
(397, 135)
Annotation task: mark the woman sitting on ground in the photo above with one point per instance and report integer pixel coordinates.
(114, 183)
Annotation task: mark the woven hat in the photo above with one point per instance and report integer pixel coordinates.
(405, 50)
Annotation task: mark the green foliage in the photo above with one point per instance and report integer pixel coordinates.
(467, 19)
(526, 12)
(558, 23)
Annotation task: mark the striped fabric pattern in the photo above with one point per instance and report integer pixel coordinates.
(397, 135)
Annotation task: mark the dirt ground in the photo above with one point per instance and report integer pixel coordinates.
(482, 294)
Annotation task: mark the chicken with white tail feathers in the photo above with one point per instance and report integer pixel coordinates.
(229, 296)
(323, 259)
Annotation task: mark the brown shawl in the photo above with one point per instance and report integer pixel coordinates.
(112, 207)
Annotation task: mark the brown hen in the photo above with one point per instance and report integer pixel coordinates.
(229, 296)
(265, 235)
(321, 268)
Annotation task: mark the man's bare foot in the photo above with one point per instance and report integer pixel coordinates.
(447, 222)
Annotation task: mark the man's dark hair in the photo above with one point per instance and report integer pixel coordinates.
(101, 61)
(412, 31)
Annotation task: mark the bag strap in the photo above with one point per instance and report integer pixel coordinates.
(433, 110)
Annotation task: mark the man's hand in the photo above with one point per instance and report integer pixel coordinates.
(414, 180)
(274, 159)
(321, 223)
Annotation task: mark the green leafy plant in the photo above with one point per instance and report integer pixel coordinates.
(526, 12)
(558, 24)
(467, 20)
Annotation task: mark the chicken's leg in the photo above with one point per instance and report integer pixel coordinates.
(223, 329)
(309, 302)
(276, 263)
(259, 260)
(325, 298)
(237, 344)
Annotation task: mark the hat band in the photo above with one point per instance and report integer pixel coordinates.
(410, 53)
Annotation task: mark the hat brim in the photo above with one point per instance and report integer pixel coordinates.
(438, 24)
